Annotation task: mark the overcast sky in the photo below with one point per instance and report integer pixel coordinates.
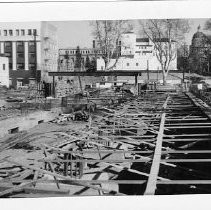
(79, 33)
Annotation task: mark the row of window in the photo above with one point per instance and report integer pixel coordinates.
(144, 52)
(21, 66)
(21, 55)
(19, 43)
(127, 64)
(83, 51)
(18, 32)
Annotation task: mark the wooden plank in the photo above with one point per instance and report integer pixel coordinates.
(93, 161)
(181, 182)
(186, 160)
(187, 119)
(187, 151)
(184, 135)
(190, 124)
(128, 182)
(51, 168)
(189, 139)
(16, 188)
(151, 184)
(187, 127)
(111, 151)
(62, 177)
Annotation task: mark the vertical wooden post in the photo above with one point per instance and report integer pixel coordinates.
(71, 170)
(65, 164)
(136, 84)
(81, 167)
(148, 71)
(53, 89)
(136, 80)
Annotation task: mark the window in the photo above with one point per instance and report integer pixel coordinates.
(8, 44)
(31, 66)
(17, 32)
(136, 64)
(29, 32)
(32, 55)
(19, 44)
(10, 32)
(4, 66)
(5, 32)
(128, 64)
(101, 67)
(20, 66)
(31, 43)
(10, 65)
(22, 32)
(35, 32)
(20, 55)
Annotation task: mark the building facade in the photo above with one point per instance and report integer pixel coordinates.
(32, 50)
(137, 54)
(4, 71)
(67, 57)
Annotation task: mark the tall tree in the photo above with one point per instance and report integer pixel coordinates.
(107, 34)
(78, 59)
(166, 34)
(207, 25)
(182, 57)
(87, 63)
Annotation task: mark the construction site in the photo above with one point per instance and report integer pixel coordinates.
(109, 142)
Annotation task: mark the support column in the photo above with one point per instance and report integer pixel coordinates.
(136, 80)
(14, 59)
(2, 47)
(26, 55)
(53, 87)
(38, 55)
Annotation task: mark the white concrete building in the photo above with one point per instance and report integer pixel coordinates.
(137, 54)
(32, 49)
(4, 71)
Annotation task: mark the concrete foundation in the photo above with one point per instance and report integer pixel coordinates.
(20, 123)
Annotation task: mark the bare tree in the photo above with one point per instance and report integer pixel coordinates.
(107, 34)
(207, 25)
(166, 34)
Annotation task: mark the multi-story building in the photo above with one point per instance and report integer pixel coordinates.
(67, 56)
(32, 49)
(137, 54)
(4, 71)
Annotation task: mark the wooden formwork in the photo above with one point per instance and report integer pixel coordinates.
(153, 144)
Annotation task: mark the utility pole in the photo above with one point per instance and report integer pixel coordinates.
(183, 72)
(35, 55)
